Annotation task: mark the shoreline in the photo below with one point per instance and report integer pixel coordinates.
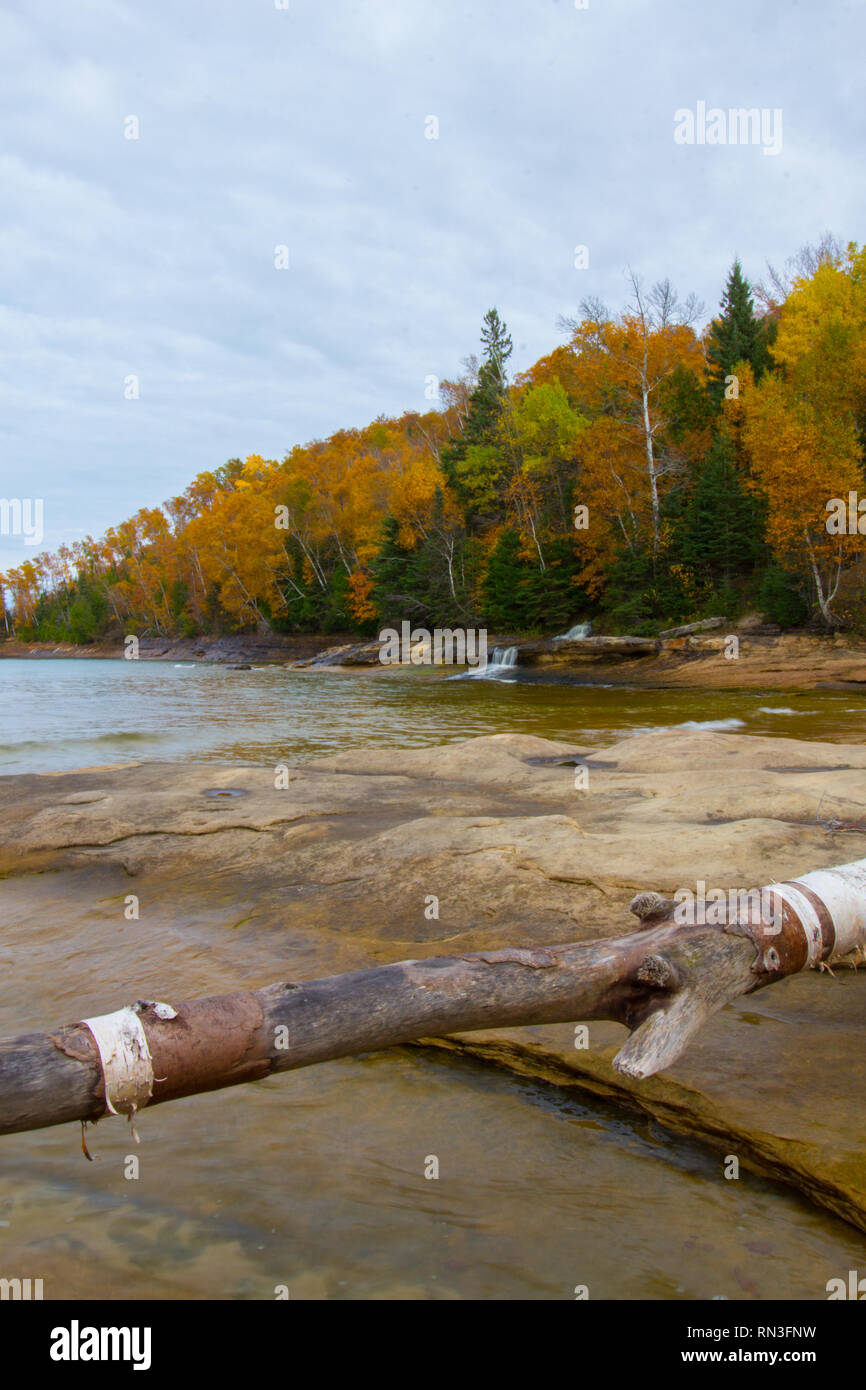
(772, 661)
(219, 651)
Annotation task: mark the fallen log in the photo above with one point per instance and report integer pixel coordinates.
(664, 981)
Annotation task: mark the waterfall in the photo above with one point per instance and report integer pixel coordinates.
(501, 659)
(575, 634)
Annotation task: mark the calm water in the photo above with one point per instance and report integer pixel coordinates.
(64, 714)
(315, 1180)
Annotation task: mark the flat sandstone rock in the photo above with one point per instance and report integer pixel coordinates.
(336, 866)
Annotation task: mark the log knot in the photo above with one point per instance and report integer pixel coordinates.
(661, 972)
(651, 907)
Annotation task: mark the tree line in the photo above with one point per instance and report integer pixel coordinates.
(641, 475)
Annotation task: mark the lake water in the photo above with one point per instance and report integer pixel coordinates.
(58, 714)
(316, 1180)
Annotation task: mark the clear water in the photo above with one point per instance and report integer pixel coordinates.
(60, 714)
(316, 1180)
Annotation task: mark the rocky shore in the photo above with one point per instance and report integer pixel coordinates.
(270, 649)
(761, 658)
(338, 868)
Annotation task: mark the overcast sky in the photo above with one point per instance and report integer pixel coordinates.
(306, 127)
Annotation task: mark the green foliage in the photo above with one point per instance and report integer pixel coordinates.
(497, 345)
(478, 472)
(737, 335)
(311, 606)
(497, 542)
(720, 536)
(631, 602)
(504, 602)
(781, 597)
(518, 596)
(475, 452)
(415, 584)
(544, 427)
(397, 585)
(77, 612)
(686, 404)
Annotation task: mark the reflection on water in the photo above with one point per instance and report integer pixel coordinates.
(65, 714)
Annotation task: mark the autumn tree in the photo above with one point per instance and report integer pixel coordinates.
(605, 476)
(803, 423)
(627, 453)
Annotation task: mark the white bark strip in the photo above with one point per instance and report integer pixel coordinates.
(127, 1067)
(663, 982)
(843, 892)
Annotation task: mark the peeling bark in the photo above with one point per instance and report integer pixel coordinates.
(663, 981)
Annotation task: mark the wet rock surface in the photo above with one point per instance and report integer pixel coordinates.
(333, 866)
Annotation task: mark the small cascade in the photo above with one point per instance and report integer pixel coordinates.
(503, 658)
(500, 660)
(575, 634)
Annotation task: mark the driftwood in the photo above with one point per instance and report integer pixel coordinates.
(663, 981)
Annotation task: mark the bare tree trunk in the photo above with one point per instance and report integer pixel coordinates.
(824, 601)
(663, 982)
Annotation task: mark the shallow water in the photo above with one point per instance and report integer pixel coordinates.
(58, 714)
(316, 1180)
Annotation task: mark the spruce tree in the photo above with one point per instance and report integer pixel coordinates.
(737, 335)
(397, 584)
(722, 527)
(485, 403)
(503, 600)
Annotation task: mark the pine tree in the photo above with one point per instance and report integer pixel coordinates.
(397, 584)
(497, 349)
(721, 532)
(504, 607)
(737, 335)
(486, 402)
(781, 597)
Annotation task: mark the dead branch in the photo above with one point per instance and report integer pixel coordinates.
(663, 981)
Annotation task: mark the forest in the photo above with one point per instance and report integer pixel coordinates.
(641, 475)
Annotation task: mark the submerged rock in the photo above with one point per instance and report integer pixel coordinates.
(508, 840)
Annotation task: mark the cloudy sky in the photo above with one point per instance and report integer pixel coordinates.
(307, 127)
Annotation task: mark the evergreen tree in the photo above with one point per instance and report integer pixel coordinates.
(721, 531)
(497, 350)
(737, 335)
(504, 607)
(485, 404)
(781, 597)
(518, 596)
(398, 587)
